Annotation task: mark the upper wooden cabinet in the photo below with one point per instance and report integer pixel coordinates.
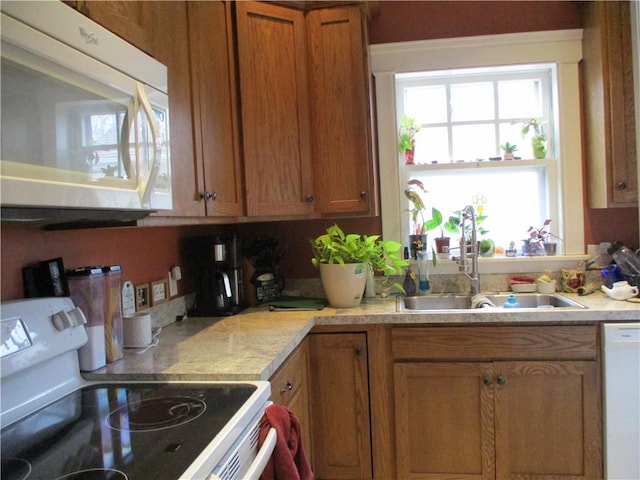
(306, 120)
(607, 75)
(215, 187)
(131, 20)
(275, 110)
(341, 123)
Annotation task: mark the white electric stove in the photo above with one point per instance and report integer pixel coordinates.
(56, 425)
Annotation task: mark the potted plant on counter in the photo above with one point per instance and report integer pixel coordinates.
(539, 240)
(420, 225)
(344, 261)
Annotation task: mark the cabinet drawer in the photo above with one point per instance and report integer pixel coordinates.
(291, 377)
(495, 343)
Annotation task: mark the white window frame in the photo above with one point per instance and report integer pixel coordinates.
(562, 48)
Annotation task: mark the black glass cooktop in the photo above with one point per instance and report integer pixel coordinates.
(132, 431)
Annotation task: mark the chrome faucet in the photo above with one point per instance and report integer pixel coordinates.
(468, 212)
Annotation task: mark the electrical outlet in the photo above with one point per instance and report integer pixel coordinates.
(173, 285)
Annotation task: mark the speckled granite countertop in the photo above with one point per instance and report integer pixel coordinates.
(253, 344)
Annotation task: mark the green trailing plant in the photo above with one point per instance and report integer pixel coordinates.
(406, 133)
(336, 247)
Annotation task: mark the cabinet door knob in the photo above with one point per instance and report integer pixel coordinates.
(501, 380)
(363, 195)
(287, 388)
(487, 381)
(359, 352)
(310, 198)
(209, 195)
(621, 186)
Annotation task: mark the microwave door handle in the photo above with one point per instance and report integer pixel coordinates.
(125, 154)
(147, 188)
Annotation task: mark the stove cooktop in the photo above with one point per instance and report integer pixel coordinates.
(120, 431)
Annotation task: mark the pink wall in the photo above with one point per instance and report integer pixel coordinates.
(146, 254)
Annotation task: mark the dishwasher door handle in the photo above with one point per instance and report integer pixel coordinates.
(264, 454)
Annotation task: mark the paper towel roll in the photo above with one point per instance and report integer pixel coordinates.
(137, 330)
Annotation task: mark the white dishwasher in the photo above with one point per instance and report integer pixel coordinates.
(621, 400)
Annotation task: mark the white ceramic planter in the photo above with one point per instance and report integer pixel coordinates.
(343, 284)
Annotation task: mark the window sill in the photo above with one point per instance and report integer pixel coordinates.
(508, 265)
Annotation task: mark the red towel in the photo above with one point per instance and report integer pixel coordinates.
(288, 461)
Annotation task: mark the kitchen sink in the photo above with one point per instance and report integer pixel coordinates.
(464, 302)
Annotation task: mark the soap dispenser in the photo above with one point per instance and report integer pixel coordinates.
(511, 302)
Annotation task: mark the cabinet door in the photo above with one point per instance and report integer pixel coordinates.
(172, 49)
(131, 20)
(607, 74)
(218, 173)
(290, 387)
(339, 88)
(444, 420)
(275, 109)
(339, 395)
(547, 420)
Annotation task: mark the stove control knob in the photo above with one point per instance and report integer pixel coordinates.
(77, 316)
(69, 319)
(62, 320)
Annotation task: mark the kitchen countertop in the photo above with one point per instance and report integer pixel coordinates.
(253, 344)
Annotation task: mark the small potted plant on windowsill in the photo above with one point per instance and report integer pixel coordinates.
(345, 261)
(508, 149)
(538, 140)
(406, 138)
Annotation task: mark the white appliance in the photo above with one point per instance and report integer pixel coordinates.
(621, 400)
(55, 424)
(85, 119)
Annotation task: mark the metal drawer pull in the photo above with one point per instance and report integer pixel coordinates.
(501, 380)
(487, 381)
(287, 388)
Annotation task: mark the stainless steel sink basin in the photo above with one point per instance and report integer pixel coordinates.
(464, 302)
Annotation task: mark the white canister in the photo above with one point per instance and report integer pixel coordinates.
(137, 330)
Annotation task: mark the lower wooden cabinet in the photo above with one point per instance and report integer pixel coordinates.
(339, 398)
(290, 387)
(474, 418)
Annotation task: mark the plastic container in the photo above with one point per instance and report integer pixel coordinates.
(86, 287)
(511, 302)
(423, 273)
(113, 324)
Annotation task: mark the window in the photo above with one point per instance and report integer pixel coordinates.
(470, 95)
(465, 115)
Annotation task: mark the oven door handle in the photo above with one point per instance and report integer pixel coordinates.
(264, 454)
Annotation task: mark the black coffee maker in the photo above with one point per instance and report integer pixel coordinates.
(216, 262)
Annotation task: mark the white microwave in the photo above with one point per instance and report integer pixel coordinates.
(85, 119)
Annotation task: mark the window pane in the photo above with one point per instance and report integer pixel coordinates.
(472, 102)
(520, 99)
(513, 198)
(471, 142)
(432, 144)
(427, 104)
